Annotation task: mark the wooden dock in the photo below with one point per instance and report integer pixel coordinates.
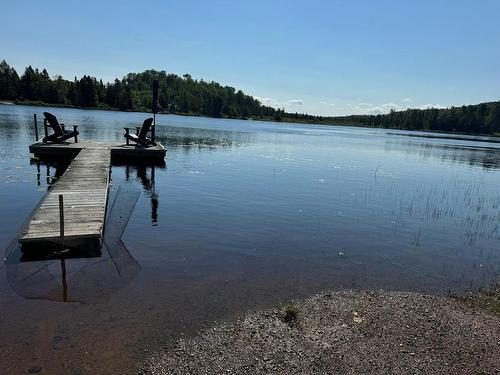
(84, 187)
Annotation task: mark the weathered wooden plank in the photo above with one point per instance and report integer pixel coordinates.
(84, 186)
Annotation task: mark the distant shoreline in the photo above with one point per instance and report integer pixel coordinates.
(492, 138)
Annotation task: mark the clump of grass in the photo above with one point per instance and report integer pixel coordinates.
(290, 313)
(486, 299)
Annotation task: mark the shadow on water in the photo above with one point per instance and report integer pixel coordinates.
(83, 273)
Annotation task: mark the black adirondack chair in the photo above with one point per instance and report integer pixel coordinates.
(140, 137)
(60, 134)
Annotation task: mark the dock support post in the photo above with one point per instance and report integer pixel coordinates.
(127, 132)
(76, 135)
(36, 127)
(61, 215)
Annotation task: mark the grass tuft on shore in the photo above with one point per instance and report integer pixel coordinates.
(485, 299)
(290, 313)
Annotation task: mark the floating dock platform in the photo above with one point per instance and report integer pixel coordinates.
(84, 190)
(71, 150)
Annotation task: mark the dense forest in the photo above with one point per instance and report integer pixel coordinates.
(185, 95)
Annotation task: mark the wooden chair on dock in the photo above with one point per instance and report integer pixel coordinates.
(140, 136)
(60, 134)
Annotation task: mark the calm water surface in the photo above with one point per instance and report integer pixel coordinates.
(242, 215)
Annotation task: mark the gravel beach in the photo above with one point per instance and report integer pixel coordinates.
(345, 332)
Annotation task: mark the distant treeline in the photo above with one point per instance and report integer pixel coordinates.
(482, 118)
(197, 97)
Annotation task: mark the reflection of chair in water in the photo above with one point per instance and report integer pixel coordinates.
(148, 182)
(60, 134)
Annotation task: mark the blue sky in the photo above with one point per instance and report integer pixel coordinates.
(321, 57)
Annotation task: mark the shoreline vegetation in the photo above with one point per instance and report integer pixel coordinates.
(187, 96)
(349, 332)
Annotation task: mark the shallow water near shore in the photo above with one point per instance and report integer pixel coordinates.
(244, 214)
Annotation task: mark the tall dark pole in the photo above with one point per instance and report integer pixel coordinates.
(154, 108)
(36, 127)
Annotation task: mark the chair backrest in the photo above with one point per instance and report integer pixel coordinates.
(54, 124)
(145, 128)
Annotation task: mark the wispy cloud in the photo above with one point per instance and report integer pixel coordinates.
(427, 106)
(278, 104)
(327, 104)
(269, 102)
(407, 100)
(379, 109)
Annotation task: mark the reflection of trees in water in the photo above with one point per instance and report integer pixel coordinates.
(485, 157)
(193, 138)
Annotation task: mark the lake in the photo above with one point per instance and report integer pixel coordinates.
(243, 215)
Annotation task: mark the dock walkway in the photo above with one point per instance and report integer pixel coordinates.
(84, 186)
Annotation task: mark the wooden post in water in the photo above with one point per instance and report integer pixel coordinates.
(36, 127)
(61, 215)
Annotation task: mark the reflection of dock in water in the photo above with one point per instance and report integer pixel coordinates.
(81, 273)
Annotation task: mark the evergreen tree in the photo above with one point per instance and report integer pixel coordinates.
(9, 81)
